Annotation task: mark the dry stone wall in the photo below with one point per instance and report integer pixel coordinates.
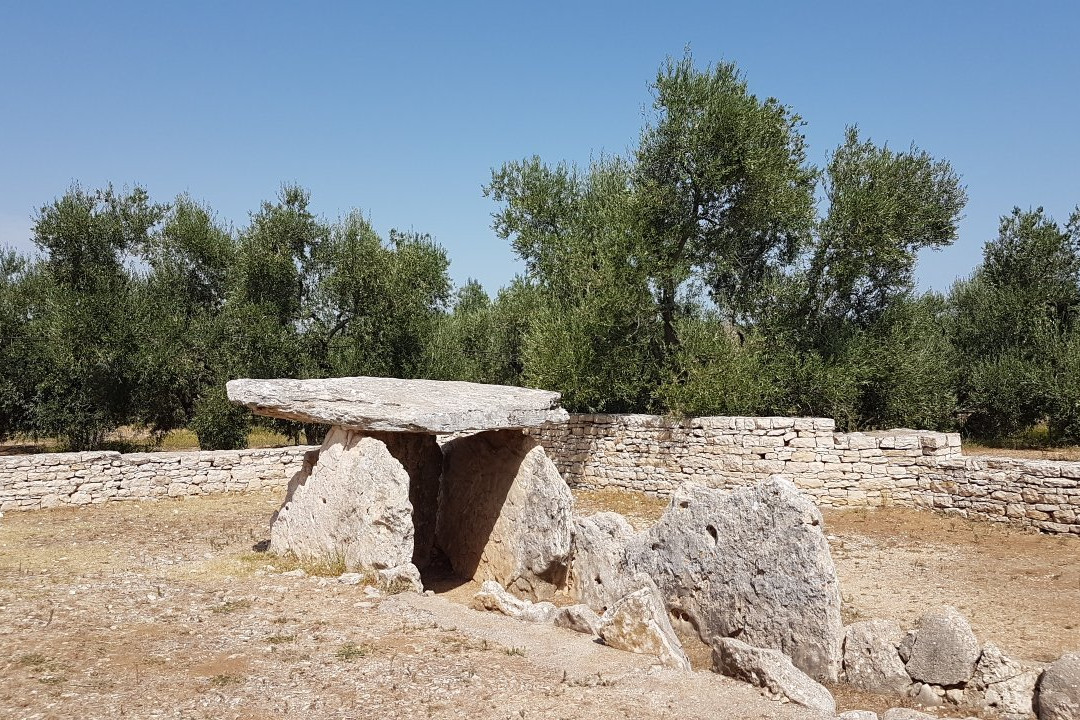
(31, 482)
(639, 452)
(877, 469)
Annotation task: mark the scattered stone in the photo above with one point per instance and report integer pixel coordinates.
(403, 578)
(297, 573)
(350, 578)
(598, 574)
(942, 649)
(505, 513)
(906, 714)
(752, 564)
(493, 596)
(579, 618)
(392, 405)
(772, 671)
(871, 660)
(1059, 689)
(1002, 684)
(351, 506)
(639, 623)
(858, 715)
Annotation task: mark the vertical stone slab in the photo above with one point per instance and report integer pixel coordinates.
(422, 459)
(505, 513)
(352, 504)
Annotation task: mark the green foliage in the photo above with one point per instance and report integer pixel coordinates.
(219, 424)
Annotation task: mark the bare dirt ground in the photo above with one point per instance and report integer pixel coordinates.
(165, 609)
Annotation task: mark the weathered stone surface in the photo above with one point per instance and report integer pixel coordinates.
(352, 504)
(871, 661)
(1059, 689)
(639, 624)
(392, 405)
(505, 513)
(400, 578)
(941, 649)
(906, 714)
(772, 671)
(579, 618)
(927, 696)
(421, 457)
(493, 596)
(598, 573)
(858, 715)
(754, 564)
(1002, 685)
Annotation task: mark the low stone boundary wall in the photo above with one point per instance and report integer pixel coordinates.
(31, 482)
(877, 469)
(636, 452)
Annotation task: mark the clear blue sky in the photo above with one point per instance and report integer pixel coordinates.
(401, 109)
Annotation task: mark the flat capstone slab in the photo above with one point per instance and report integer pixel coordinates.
(392, 405)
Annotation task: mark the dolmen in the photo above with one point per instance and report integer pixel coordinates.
(383, 493)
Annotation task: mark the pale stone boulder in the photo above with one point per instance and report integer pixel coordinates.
(392, 405)
(906, 714)
(638, 623)
(858, 715)
(421, 457)
(773, 672)
(752, 564)
(579, 618)
(871, 660)
(598, 572)
(493, 596)
(505, 513)
(1002, 685)
(352, 505)
(942, 649)
(1059, 689)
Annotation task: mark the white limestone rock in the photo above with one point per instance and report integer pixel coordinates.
(393, 405)
(505, 513)
(858, 715)
(1059, 689)
(350, 504)
(493, 596)
(752, 564)
(906, 714)
(598, 573)
(1002, 685)
(579, 618)
(638, 623)
(942, 649)
(773, 672)
(871, 660)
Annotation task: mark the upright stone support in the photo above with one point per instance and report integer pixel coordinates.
(422, 459)
(350, 506)
(505, 513)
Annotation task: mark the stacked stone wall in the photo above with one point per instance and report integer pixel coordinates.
(636, 452)
(31, 482)
(877, 469)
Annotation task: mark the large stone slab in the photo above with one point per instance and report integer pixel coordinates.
(505, 513)
(393, 405)
(753, 564)
(771, 671)
(350, 505)
(639, 623)
(421, 457)
(942, 649)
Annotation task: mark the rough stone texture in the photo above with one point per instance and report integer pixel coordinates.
(894, 467)
(598, 575)
(1059, 689)
(752, 564)
(505, 513)
(871, 660)
(493, 596)
(906, 714)
(858, 715)
(421, 457)
(393, 405)
(942, 649)
(579, 618)
(1002, 685)
(639, 624)
(352, 503)
(772, 671)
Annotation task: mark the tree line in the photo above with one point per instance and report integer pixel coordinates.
(712, 269)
